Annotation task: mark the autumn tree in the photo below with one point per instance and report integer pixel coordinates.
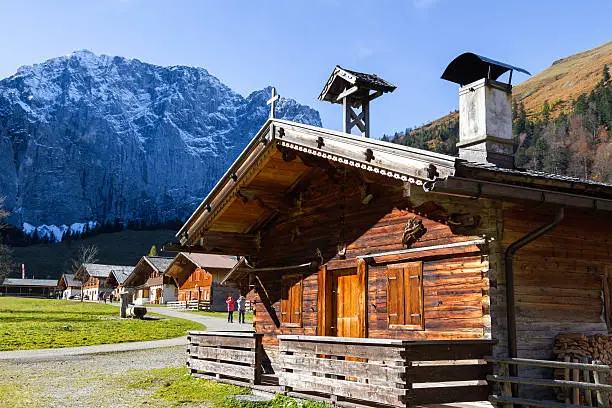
(86, 254)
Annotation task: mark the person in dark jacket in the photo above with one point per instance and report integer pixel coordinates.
(241, 308)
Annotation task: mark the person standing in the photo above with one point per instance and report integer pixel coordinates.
(241, 308)
(230, 309)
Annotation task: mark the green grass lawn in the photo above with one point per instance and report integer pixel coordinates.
(175, 386)
(27, 324)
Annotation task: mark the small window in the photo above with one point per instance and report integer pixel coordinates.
(405, 296)
(291, 301)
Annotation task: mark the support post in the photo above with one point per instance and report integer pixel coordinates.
(365, 109)
(346, 116)
(123, 305)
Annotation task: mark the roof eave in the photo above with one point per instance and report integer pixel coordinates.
(245, 152)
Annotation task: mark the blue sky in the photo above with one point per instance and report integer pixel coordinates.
(294, 45)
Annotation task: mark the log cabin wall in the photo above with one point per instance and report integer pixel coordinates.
(559, 277)
(331, 211)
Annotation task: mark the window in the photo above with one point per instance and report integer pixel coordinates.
(405, 296)
(291, 301)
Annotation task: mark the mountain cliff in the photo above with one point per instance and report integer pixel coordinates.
(89, 137)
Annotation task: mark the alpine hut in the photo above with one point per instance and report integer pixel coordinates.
(198, 278)
(368, 257)
(148, 282)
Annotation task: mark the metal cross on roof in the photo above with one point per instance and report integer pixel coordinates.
(272, 101)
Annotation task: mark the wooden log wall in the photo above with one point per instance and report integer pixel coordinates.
(330, 210)
(558, 277)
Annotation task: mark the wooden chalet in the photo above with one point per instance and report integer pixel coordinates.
(371, 260)
(116, 279)
(40, 288)
(69, 286)
(95, 282)
(148, 282)
(198, 277)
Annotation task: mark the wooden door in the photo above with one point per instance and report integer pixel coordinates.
(347, 318)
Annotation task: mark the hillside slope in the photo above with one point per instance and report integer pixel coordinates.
(563, 81)
(117, 248)
(561, 119)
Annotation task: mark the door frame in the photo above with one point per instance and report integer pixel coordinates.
(324, 296)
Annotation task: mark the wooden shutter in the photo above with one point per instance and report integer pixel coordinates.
(405, 296)
(291, 300)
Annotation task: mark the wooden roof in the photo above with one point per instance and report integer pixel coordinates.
(342, 79)
(184, 264)
(68, 280)
(144, 268)
(284, 156)
(279, 161)
(97, 270)
(32, 283)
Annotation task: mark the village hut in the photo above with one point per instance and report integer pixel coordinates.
(362, 251)
(94, 278)
(148, 282)
(69, 286)
(198, 278)
(116, 279)
(40, 288)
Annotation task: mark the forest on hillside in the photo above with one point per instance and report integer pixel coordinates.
(576, 142)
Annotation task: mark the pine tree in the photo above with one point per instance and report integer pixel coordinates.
(153, 251)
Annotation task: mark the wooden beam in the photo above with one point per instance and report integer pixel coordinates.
(347, 92)
(217, 242)
(265, 300)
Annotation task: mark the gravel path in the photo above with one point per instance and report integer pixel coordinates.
(97, 380)
(211, 323)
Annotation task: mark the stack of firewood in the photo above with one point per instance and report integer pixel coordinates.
(583, 348)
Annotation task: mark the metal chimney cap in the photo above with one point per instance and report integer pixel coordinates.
(470, 67)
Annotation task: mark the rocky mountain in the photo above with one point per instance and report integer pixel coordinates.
(89, 137)
(562, 119)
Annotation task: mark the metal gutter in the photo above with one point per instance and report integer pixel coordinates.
(475, 189)
(509, 270)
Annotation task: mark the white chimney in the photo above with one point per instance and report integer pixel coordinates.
(23, 275)
(485, 109)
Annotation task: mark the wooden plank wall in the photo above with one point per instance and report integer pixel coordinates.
(558, 277)
(455, 281)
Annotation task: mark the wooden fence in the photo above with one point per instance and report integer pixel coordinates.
(577, 393)
(189, 305)
(384, 372)
(232, 357)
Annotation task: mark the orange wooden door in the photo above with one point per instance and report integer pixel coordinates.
(346, 320)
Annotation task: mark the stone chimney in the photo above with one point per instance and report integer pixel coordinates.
(485, 109)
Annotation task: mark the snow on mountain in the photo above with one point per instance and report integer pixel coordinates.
(95, 137)
(56, 233)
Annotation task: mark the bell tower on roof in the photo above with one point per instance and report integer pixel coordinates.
(354, 90)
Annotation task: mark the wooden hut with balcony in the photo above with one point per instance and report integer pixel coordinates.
(148, 283)
(198, 277)
(372, 260)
